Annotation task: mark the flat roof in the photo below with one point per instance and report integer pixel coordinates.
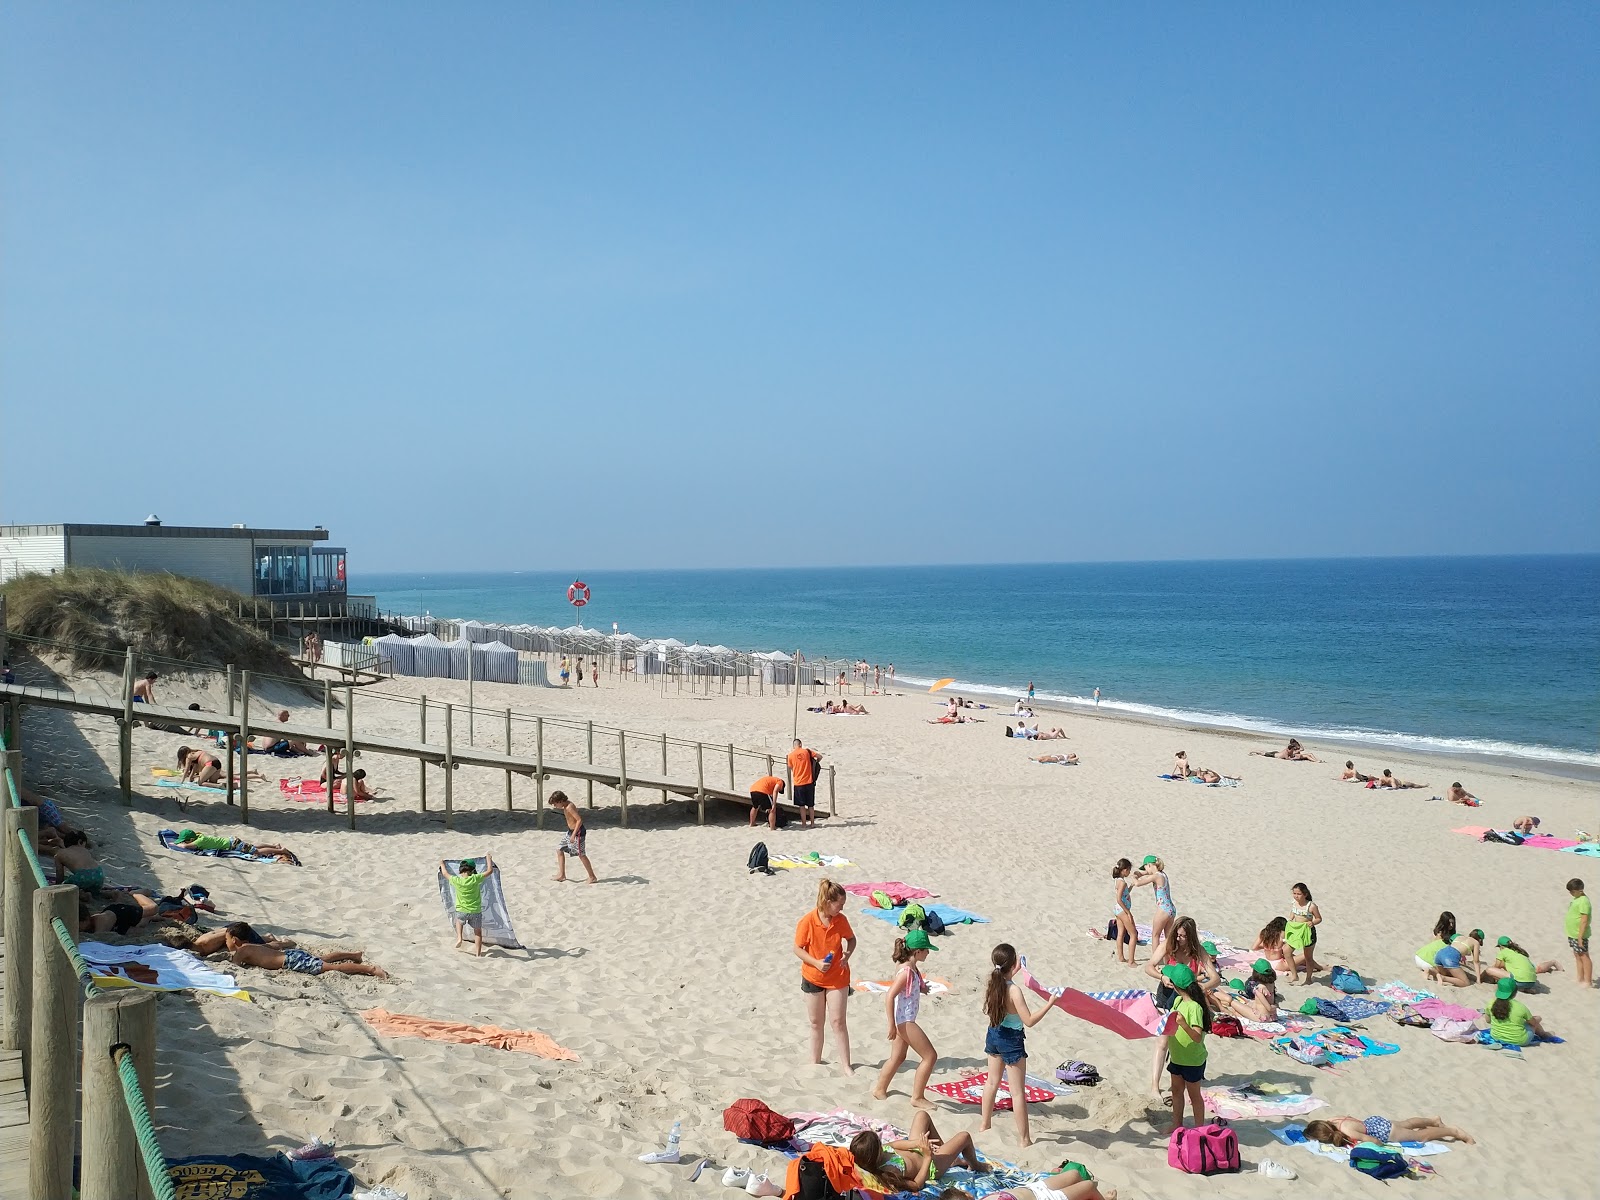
(180, 531)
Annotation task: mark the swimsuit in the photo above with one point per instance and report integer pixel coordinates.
(90, 879)
(1378, 1129)
(1163, 891)
(302, 961)
(125, 915)
(573, 843)
(1123, 902)
(909, 1002)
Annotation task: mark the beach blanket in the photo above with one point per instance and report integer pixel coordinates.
(947, 914)
(1287, 1023)
(1587, 849)
(1442, 1010)
(788, 862)
(524, 1041)
(174, 970)
(497, 929)
(169, 839)
(896, 891)
(187, 785)
(1355, 1008)
(1225, 781)
(1402, 993)
(877, 987)
(1295, 1135)
(163, 772)
(838, 1127)
(1342, 1043)
(310, 791)
(969, 1090)
(1129, 1014)
(254, 1177)
(1240, 1104)
(1539, 841)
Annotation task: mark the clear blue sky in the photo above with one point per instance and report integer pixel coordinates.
(606, 285)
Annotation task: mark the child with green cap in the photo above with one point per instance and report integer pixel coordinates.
(1580, 919)
(1511, 961)
(1260, 999)
(1186, 1043)
(1509, 1018)
(902, 1004)
(466, 889)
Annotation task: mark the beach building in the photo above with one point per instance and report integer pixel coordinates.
(289, 566)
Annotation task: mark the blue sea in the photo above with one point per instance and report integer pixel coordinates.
(1496, 656)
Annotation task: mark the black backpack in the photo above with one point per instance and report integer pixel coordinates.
(932, 923)
(758, 860)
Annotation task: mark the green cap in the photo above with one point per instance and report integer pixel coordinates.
(185, 835)
(1504, 941)
(917, 939)
(1210, 948)
(1477, 936)
(1178, 975)
(1236, 984)
(1505, 989)
(1148, 859)
(1261, 967)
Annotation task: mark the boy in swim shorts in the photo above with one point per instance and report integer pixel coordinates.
(575, 841)
(1580, 920)
(270, 958)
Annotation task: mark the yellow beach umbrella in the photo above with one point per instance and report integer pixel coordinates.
(943, 683)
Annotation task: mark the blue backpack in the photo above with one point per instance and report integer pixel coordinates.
(1348, 982)
(1380, 1164)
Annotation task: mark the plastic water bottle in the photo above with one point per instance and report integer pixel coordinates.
(675, 1138)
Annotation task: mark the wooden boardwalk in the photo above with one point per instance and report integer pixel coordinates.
(461, 756)
(13, 1117)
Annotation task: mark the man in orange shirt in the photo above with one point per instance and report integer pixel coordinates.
(764, 798)
(803, 770)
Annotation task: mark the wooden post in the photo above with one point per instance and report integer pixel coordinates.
(112, 1166)
(327, 704)
(20, 886)
(508, 754)
(125, 741)
(350, 756)
(591, 763)
(228, 737)
(663, 767)
(53, 1072)
(327, 763)
(832, 804)
(700, 780)
(622, 773)
(244, 748)
(732, 784)
(471, 708)
(422, 763)
(449, 767)
(538, 772)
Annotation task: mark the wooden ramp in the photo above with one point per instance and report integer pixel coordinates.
(13, 1117)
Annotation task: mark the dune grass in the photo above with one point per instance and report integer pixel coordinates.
(98, 614)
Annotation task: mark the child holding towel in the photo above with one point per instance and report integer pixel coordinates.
(1006, 1045)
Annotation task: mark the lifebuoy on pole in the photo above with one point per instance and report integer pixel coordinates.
(578, 593)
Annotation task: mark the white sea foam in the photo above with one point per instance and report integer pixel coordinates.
(1416, 742)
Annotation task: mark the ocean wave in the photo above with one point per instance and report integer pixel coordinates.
(1415, 742)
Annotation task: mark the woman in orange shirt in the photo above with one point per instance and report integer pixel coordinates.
(824, 942)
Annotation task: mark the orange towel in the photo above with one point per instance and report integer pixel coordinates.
(836, 1162)
(527, 1041)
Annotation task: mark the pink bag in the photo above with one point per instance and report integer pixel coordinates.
(1203, 1150)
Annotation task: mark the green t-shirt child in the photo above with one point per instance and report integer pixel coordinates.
(1580, 908)
(1188, 1051)
(468, 892)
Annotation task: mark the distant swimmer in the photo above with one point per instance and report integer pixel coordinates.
(1030, 691)
(1293, 752)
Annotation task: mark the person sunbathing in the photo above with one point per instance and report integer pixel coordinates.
(1070, 760)
(1459, 795)
(1389, 780)
(1053, 735)
(1347, 1131)
(1023, 731)
(53, 826)
(126, 908)
(1207, 775)
(909, 1165)
(215, 941)
(283, 747)
(1180, 765)
(1293, 752)
(1351, 775)
(188, 839)
(355, 787)
(270, 958)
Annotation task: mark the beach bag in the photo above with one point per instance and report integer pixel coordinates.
(811, 1180)
(1226, 1027)
(933, 924)
(1080, 1073)
(1380, 1164)
(1348, 982)
(752, 1121)
(882, 900)
(1506, 839)
(759, 860)
(1203, 1150)
(913, 916)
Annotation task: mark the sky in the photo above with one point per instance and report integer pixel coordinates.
(507, 286)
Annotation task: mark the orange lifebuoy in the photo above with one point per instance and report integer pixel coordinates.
(578, 594)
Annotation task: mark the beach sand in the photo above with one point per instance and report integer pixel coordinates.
(674, 982)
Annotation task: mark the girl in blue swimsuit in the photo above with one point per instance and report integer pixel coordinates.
(1153, 872)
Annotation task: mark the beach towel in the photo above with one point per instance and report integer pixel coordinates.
(1228, 781)
(969, 1090)
(1402, 993)
(1587, 849)
(1128, 1014)
(1241, 1104)
(163, 772)
(497, 929)
(1287, 1023)
(896, 891)
(877, 987)
(175, 970)
(1341, 1043)
(169, 839)
(1442, 1010)
(836, 1128)
(310, 791)
(947, 914)
(187, 785)
(1295, 1135)
(788, 862)
(255, 1177)
(524, 1041)
(1543, 841)
(1355, 1008)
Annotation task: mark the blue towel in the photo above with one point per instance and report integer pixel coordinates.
(950, 916)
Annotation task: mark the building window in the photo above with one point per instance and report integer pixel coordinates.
(327, 569)
(283, 570)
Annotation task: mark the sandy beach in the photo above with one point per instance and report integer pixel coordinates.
(674, 983)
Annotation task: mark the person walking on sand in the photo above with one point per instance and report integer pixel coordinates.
(594, 671)
(565, 674)
(824, 942)
(903, 1001)
(579, 665)
(1006, 1045)
(1030, 691)
(803, 765)
(575, 842)
(467, 888)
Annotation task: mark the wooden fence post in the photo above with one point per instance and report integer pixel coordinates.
(422, 763)
(664, 796)
(53, 1084)
(622, 773)
(591, 763)
(700, 779)
(244, 748)
(832, 805)
(125, 738)
(228, 737)
(538, 772)
(732, 783)
(20, 886)
(113, 1168)
(350, 756)
(327, 704)
(449, 767)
